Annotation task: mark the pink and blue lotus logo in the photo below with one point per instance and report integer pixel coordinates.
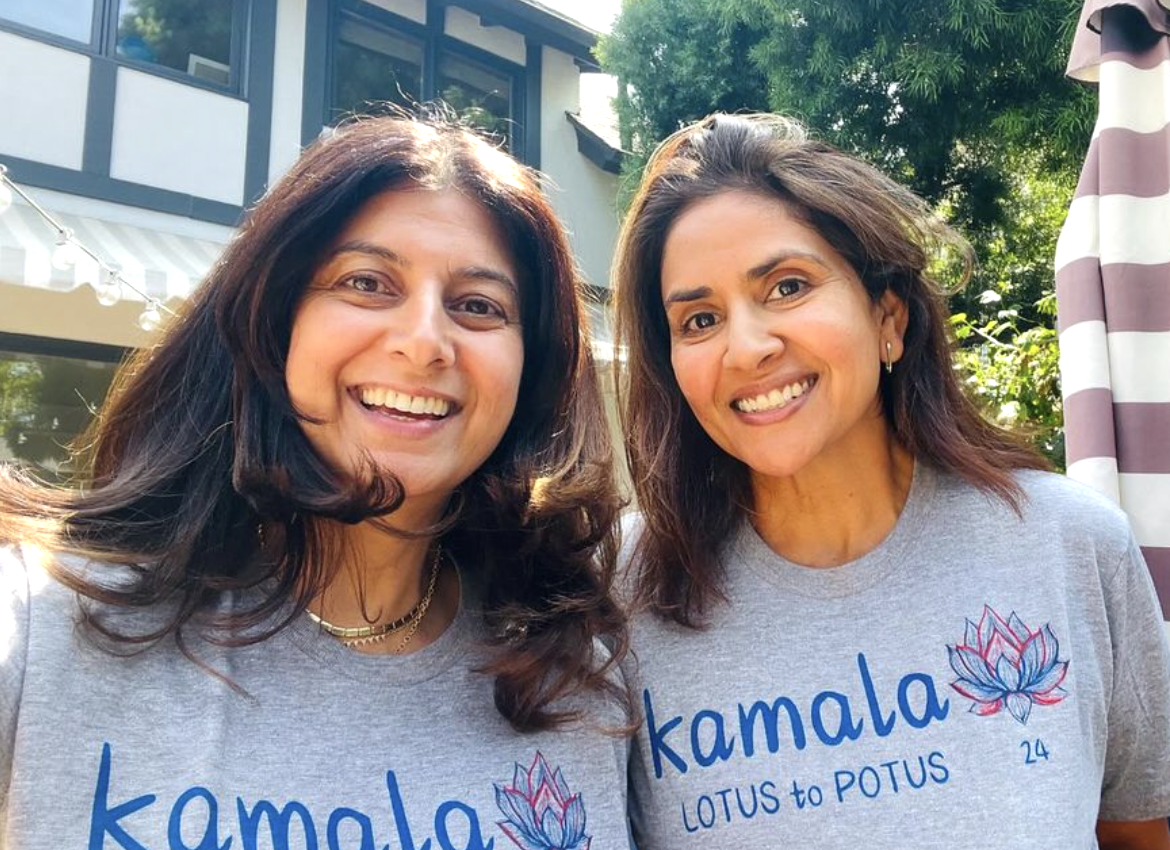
(1004, 664)
(539, 810)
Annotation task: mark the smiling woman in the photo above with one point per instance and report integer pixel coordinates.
(312, 519)
(863, 613)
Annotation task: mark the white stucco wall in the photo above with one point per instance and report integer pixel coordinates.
(179, 137)
(583, 195)
(43, 92)
(501, 41)
(287, 87)
(415, 10)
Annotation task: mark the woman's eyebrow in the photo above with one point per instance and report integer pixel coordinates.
(685, 295)
(484, 273)
(764, 268)
(362, 247)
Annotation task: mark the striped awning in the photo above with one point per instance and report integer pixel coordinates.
(162, 265)
(1113, 274)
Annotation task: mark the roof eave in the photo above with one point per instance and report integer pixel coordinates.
(596, 149)
(539, 23)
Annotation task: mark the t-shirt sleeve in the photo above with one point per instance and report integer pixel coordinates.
(13, 651)
(1137, 751)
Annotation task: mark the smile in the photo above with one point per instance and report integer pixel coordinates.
(403, 404)
(775, 399)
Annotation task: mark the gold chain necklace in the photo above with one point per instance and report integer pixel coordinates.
(354, 636)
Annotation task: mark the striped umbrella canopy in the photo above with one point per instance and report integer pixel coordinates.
(1113, 274)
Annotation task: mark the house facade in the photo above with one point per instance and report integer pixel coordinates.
(145, 129)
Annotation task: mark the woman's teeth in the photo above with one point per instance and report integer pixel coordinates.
(403, 403)
(775, 399)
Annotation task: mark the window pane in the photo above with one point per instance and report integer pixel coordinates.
(480, 95)
(45, 404)
(192, 36)
(67, 18)
(373, 67)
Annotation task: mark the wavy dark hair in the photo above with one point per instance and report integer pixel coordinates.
(199, 443)
(691, 493)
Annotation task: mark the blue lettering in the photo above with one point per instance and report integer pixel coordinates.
(721, 749)
(658, 745)
(940, 773)
(210, 840)
(889, 766)
(686, 823)
(882, 725)
(932, 711)
(845, 730)
(279, 822)
(771, 718)
(400, 822)
(103, 820)
(877, 782)
(739, 802)
(708, 821)
(357, 817)
(474, 838)
(842, 781)
(921, 780)
(722, 795)
(768, 795)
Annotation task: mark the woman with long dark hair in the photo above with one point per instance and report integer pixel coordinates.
(345, 536)
(867, 616)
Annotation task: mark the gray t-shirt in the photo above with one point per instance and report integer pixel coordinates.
(977, 680)
(325, 748)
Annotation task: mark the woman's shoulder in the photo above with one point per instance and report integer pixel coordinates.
(1066, 512)
(26, 576)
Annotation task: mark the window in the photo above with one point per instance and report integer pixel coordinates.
(381, 59)
(374, 65)
(189, 36)
(46, 402)
(197, 40)
(479, 95)
(71, 19)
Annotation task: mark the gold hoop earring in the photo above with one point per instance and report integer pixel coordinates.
(889, 357)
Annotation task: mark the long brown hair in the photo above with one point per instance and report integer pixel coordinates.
(199, 443)
(691, 493)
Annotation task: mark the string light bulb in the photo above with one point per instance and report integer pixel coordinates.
(65, 254)
(109, 290)
(150, 320)
(69, 250)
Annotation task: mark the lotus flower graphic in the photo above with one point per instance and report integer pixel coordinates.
(539, 810)
(1004, 664)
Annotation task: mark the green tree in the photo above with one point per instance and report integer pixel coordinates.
(962, 100)
(45, 403)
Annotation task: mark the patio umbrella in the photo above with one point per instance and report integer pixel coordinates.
(1113, 274)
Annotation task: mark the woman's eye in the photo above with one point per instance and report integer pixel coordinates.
(482, 309)
(697, 322)
(788, 287)
(364, 283)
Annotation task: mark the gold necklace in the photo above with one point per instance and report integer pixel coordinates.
(363, 635)
(424, 605)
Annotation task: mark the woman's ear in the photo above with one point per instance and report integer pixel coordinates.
(894, 316)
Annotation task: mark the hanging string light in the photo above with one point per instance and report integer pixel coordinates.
(68, 251)
(5, 192)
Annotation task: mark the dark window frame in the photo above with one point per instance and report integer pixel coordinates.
(104, 34)
(69, 348)
(435, 43)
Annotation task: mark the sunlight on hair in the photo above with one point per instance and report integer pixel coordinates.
(14, 581)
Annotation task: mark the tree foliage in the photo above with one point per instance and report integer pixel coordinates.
(965, 101)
